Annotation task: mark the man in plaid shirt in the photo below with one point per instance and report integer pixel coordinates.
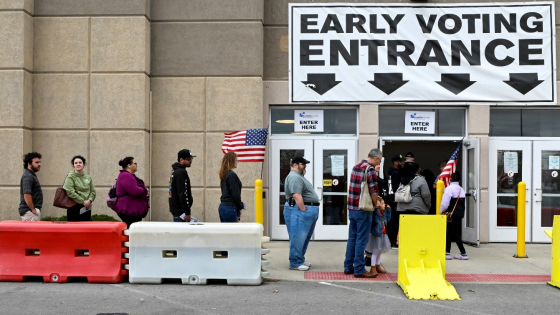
(360, 221)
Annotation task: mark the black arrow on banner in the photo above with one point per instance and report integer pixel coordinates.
(523, 82)
(388, 82)
(321, 82)
(455, 82)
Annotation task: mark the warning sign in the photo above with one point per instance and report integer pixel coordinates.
(423, 53)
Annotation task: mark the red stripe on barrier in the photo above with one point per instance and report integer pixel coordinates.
(500, 278)
(57, 251)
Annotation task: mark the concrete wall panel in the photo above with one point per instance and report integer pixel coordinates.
(478, 119)
(26, 5)
(164, 154)
(276, 46)
(275, 92)
(120, 44)
(197, 10)
(9, 202)
(365, 144)
(12, 40)
(61, 101)
(15, 98)
(19, 142)
(92, 7)
(108, 147)
(61, 44)
(233, 103)
(120, 101)
(178, 104)
(276, 11)
(213, 49)
(57, 148)
(369, 119)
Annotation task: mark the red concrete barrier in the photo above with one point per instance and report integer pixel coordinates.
(57, 251)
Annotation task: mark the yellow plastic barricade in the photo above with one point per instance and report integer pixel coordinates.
(422, 258)
(555, 236)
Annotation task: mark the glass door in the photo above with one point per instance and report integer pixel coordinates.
(546, 187)
(282, 152)
(510, 163)
(333, 163)
(470, 183)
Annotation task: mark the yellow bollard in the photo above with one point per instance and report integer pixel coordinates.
(439, 195)
(554, 234)
(258, 201)
(520, 221)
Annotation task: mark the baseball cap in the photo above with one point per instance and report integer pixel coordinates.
(300, 159)
(397, 157)
(409, 154)
(185, 154)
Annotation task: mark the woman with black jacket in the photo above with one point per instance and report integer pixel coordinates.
(231, 204)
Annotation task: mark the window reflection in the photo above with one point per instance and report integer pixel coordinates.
(335, 187)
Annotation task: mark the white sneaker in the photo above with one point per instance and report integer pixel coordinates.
(305, 263)
(300, 268)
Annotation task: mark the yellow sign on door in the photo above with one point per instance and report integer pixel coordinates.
(327, 182)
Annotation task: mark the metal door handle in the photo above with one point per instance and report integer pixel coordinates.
(320, 195)
(473, 193)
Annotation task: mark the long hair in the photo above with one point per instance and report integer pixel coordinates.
(228, 163)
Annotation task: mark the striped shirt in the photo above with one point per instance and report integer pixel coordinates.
(356, 182)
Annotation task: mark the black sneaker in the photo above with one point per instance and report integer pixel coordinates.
(368, 261)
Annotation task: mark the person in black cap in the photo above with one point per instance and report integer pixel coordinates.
(395, 173)
(409, 157)
(180, 196)
(301, 212)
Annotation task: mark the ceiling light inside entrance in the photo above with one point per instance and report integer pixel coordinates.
(285, 121)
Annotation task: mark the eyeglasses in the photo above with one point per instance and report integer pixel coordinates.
(189, 159)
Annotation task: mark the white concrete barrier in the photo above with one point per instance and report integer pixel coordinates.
(196, 252)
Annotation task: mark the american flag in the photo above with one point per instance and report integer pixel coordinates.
(450, 167)
(248, 144)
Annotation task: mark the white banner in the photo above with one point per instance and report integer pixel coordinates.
(423, 53)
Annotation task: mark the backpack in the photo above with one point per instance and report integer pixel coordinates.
(403, 193)
(112, 196)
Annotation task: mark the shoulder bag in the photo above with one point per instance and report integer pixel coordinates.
(450, 214)
(61, 199)
(366, 203)
(403, 193)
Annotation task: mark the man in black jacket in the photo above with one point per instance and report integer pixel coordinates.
(395, 181)
(180, 196)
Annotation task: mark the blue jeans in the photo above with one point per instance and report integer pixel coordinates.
(358, 236)
(227, 214)
(300, 225)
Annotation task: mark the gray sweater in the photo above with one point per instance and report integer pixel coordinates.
(420, 203)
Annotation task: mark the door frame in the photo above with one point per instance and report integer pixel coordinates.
(331, 232)
(472, 235)
(278, 231)
(537, 235)
(508, 234)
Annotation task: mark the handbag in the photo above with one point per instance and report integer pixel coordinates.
(366, 203)
(61, 199)
(403, 192)
(450, 214)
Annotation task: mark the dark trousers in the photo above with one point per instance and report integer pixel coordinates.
(128, 219)
(454, 234)
(73, 214)
(394, 224)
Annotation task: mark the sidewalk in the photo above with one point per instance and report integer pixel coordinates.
(488, 259)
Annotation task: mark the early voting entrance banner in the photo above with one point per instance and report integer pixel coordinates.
(458, 53)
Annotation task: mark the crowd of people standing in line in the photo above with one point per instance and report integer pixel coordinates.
(132, 198)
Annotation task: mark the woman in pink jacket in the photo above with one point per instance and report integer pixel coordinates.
(133, 198)
(453, 204)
